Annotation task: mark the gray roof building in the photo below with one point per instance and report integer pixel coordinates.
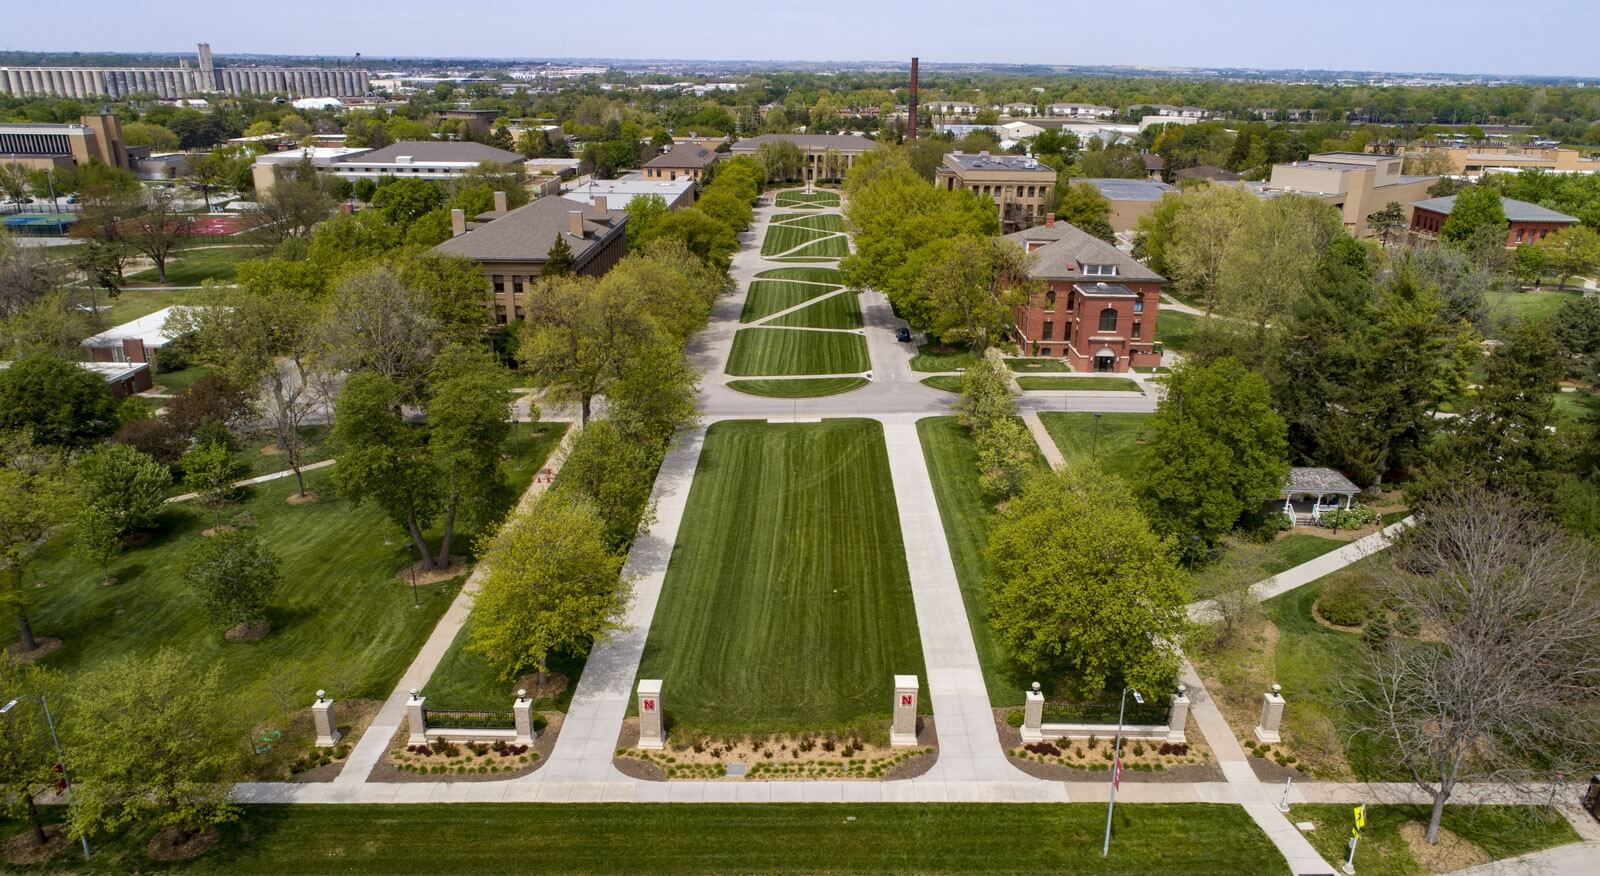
(691, 156)
(1060, 250)
(808, 142)
(439, 151)
(1317, 481)
(1515, 210)
(526, 234)
(1115, 189)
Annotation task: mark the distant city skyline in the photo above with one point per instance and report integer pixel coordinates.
(1485, 37)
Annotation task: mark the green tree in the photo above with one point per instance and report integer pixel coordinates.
(986, 394)
(383, 459)
(558, 261)
(1202, 228)
(27, 755)
(554, 586)
(211, 470)
(1007, 454)
(1271, 254)
(613, 471)
(1476, 208)
(56, 402)
(1079, 585)
(1216, 450)
(95, 538)
(154, 224)
(233, 575)
(782, 160)
(128, 487)
(403, 201)
(469, 421)
(655, 393)
(154, 747)
(377, 322)
(578, 334)
(1386, 222)
(1570, 252)
(713, 242)
(973, 286)
(1082, 205)
(643, 212)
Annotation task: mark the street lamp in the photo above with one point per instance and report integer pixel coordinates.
(1116, 762)
(66, 780)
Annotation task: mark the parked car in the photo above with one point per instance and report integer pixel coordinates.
(903, 335)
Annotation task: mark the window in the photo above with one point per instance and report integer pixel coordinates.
(1072, 298)
(500, 314)
(516, 285)
(1138, 305)
(1108, 319)
(1099, 270)
(1138, 330)
(519, 313)
(1050, 300)
(1049, 332)
(499, 284)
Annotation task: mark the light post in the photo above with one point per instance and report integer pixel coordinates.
(61, 757)
(1116, 762)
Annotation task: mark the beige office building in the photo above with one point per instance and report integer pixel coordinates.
(828, 156)
(1474, 161)
(48, 147)
(1018, 184)
(1357, 183)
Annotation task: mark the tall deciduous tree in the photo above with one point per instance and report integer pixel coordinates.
(35, 500)
(27, 757)
(153, 224)
(1504, 688)
(377, 322)
(1271, 255)
(469, 420)
(233, 574)
(56, 402)
(210, 470)
(383, 459)
(973, 286)
(579, 333)
(153, 747)
(1217, 449)
(1082, 205)
(1476, 208)
(1196, 248)
(128, 487)
(554, 585)
(1079, 584)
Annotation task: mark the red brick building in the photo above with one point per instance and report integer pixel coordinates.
(1525, 222)
(1097, 309)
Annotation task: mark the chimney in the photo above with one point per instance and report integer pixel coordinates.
(600, 202)
(500, 201)
(575, 223)
(458, 222)
(911, 117)
(1049, 220)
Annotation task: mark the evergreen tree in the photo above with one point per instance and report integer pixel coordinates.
(558, 263)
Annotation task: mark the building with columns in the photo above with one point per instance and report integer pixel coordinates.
(174, 83)
(828, 156)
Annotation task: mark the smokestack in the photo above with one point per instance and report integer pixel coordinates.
(1049, 220)
(458, 222)
(600, 202)
(911, 118)
(575, 223)
(500, 201)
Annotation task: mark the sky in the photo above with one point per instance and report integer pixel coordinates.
(1554, 37)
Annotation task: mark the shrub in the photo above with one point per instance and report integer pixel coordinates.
(1354, 517)
(1346, 602)
(1406, 621)
(1377, 631)
(1014, 718)
(1045, 748)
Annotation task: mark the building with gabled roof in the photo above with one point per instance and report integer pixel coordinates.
(1525, 222)
(828, 156)
(682, 161)
(1096, 308)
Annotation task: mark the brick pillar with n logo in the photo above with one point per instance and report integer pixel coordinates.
(903, 730)
(651, 724)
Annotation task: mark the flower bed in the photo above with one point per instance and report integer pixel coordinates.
(1096, 754)
(442, 758)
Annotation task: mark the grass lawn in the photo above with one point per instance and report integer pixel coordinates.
(762, 352)
(781, 238)
(192, 267)
(1079, 384)
(815, 275)
(953, 466)
(1034, 364)
(787, 605)
(1534, 306)
(341, 618)
(799, 388)
(1573, 407)
(175, 382)
(946, 382)
(813, 221)
(842, 311)
(1174, 329)
(1247, 562)
(828, 838)
(134, 303)
(1119, 446)
(770, 296)
(797, 199)
(835, 247)
(316, 448)
(1500, 831)
(934, 356)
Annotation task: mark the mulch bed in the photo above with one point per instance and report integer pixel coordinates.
(47, 645)
(249, 631)
(385, 771)
(425, 575)
(310, 498)
(21, 850)
(1011, 739)
(910, 768)
(163, 848)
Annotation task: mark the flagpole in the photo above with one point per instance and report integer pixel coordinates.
(1116, 765)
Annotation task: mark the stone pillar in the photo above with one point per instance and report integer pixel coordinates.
(650, 722)
(1271, 714)
(522, 713)
(903, 730)
(1178, 717)
(325, 721)
(1033, 715)
(418, 718)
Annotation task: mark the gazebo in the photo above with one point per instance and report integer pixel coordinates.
(1311, 491)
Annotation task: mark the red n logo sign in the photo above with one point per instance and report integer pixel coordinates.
(905, 699)
(649, 705)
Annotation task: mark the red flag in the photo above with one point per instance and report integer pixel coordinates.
(1116, 774)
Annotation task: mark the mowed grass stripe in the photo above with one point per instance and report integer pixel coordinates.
(813, 275)
(798, 199)
(798, 388)
(822, 222)
(842, 311)
(767, 297)
(764, 352)
(787, 605)
(781, 238)
(835, 247)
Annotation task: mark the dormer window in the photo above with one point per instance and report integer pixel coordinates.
(1099, 270)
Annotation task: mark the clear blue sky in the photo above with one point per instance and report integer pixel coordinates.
(1459, 36)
